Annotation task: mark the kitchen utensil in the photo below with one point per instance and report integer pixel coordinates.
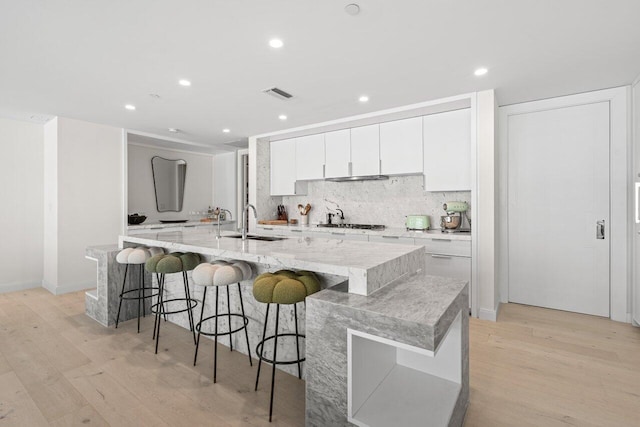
(301, 209)
(417, 222)
(307, 209)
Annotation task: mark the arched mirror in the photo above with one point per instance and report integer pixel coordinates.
(168, 181)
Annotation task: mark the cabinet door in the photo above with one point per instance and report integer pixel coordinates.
(346, 236)
(310, 157)
(365, 150)
(449, 266)
(392, 239)
(337, 147)
(401, 147)
(283, 168)
(447, 151)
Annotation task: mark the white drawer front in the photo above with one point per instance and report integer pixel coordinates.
(344, 236)
(392, 239)
(449, 266)
(445, 246)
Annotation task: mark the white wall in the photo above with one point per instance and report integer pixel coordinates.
(225, 184)
(21, 212)
(198, 194)
(50, 231)
(636, 178)
(87, 171)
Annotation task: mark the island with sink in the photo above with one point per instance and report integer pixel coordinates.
(386, 343)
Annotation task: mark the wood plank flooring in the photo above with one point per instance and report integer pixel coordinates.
(534, 367)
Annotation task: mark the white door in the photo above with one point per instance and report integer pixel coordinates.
(401, 147)
(558, 196)
(365, 150)
(310, 157)
(337, 146)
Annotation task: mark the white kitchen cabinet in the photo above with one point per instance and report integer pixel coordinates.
(401, 147)
(310, 157)
(447, 151)
(365, 150)
(392, 239)
(346, 236)
(337, 146)
(283, 167)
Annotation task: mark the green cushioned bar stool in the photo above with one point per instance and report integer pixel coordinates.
(132, 257)
(282, 287)
(222, 274)
(161, 265)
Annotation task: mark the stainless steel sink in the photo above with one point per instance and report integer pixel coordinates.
(254, 237)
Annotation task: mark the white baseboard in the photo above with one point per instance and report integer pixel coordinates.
(59, 290)
(17, 286)
(486, 314)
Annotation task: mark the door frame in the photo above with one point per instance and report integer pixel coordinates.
(620, 181)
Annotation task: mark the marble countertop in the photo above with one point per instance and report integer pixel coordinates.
(419, 308)
(391, 231)
(368, 266)
(144, 226)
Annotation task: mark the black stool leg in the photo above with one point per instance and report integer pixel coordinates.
(140, 286)
(229, 311)
(246, 332)
(163, 310)
(124, 281)
(144, 292)
(264, 334)
(187, 295)
(215, 345)
(275, 351)
(295, 316)
(160, 307)
(199, 327)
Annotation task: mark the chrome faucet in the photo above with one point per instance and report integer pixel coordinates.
(244, 218)
(230, 217)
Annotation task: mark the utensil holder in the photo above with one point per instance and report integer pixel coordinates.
(304, 220)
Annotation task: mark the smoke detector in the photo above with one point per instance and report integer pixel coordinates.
(278, 93)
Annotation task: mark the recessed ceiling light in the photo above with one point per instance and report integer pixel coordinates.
(174, 130)
(276, 43)
(130, 107)
(363, 98)
(226, 130)
(352, 9)
(184, 82)
(282, 117)
(480, 71)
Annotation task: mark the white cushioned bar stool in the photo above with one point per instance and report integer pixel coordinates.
(217, 274)
(137, 256)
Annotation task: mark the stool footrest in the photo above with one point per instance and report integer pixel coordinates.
(260, 345)
(219, 334)
(142, 292)
(191, 303)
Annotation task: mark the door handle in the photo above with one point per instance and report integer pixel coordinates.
(600, 229)
(637, 202)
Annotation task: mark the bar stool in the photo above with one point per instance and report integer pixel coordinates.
(175, 262)
(132, 257)
(282, 287)
(221, 273)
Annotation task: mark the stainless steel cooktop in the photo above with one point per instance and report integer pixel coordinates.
(354, 226)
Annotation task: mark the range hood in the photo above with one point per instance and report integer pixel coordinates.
(358, 178)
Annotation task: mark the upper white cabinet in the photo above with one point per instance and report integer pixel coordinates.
(447, 151)
(401, 147)
(309, 162)
(283, 167)
(365, 150)
(337, 147)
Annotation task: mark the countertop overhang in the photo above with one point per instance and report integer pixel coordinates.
(368, 266)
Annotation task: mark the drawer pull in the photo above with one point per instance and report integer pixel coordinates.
(440, 256)
(390, 237)
(156, 228)
(265, 228)
(188, 226)
(337, 234)
(296, 231)
(442, 240)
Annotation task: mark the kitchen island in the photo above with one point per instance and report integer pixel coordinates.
(378, 311)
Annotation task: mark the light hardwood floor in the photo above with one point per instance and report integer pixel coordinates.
(534, 367)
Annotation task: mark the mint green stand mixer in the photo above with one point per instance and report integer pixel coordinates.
(452, 223)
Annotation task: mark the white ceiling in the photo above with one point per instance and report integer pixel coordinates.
(87, 59)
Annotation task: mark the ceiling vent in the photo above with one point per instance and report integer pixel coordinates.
(278, 93)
